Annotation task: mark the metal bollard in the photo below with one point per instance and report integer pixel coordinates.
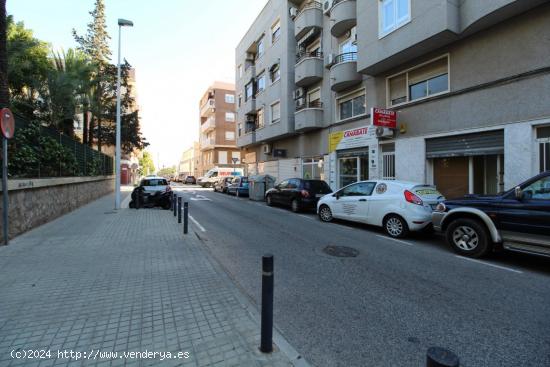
(266, 344)
(174, 203)
(185, 217)
(440, 357)
(179, 209)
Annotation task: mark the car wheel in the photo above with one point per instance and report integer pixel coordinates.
(468, 237)
(395, 226)
(325, 214)
(295, 206)
(269, 200)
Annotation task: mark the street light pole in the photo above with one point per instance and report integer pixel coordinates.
(121, 23)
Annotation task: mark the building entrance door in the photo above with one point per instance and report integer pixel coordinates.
(353, 169)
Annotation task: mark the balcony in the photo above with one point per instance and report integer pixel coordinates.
(246, 139)
(249, 73)
(208, 108)
(309, 17)
(343, 73)
(309, 68)
(249, 106)
(208, 125)
(344, 16)
(308, 116)
(208, 143)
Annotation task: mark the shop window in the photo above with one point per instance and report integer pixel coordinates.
(543, 139)
(311, 168)
(418, 83)
(353, 169)
(352, 105)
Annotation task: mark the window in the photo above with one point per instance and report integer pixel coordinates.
(261, 83)
(230, 116)
(275, 31)
(538, 190)
(275, 73)
(314, 98)
(293, 183)
(229, 98)
(229, 135)
(249, 91)
(359, 189)
(348, 46)
(236, 155)
(275, 112)
(261, 48)
(311, 169)
(352, 105)
(543, 138)
(222, 157)
(424, 81)
(260, 118)
(392, 14)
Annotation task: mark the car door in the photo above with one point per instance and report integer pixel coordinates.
(529, 215)
(352, 202)
(290, 191)
(277, 193)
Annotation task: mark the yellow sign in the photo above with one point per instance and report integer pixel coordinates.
(334, 139)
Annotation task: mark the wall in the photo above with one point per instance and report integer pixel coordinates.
(35, 202)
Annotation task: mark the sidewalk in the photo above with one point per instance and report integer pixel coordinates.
(95, 281)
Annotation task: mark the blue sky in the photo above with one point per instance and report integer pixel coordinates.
(178, 47)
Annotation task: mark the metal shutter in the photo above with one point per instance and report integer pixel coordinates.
(484, 143)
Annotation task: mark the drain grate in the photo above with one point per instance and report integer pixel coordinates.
(340, 251)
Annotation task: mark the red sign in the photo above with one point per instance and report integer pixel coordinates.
(384, 118)
(7, 123)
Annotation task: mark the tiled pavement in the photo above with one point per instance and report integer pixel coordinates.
(95, 281)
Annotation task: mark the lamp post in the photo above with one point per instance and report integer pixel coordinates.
(121, 23)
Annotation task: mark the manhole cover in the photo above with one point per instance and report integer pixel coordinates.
(340, 251)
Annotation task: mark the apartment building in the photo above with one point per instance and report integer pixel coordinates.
(189, 161)
(217, 128)
(465, 84)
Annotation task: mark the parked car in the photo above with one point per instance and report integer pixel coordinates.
(222, 183)
(238, 186)
(190, 180)
(397, 206)
(153, 184)
(516, 220)
(297, 193)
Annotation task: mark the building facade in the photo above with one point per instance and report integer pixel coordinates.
(189, 161)
(468, 82)
(217, 129)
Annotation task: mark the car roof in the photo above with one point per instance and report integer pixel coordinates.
(154, 178)
(404, 184)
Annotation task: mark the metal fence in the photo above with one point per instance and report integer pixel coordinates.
(73, 159)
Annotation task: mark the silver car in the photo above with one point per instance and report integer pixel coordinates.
(155, 184)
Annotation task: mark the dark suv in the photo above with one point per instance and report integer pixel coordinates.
(517, 220)
(297, 193)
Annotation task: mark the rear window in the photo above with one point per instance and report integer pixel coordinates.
(155, 182)
(317, 186)
(426, 191)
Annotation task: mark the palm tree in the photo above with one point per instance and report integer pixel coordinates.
(4, 91)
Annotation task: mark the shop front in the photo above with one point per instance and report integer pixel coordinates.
(353, 156)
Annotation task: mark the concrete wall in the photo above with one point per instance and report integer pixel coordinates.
(35, 202)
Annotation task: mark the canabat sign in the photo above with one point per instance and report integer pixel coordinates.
(384, 118)
(354, 138)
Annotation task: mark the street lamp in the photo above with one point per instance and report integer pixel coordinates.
(121, 23)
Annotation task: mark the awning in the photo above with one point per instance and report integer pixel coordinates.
(483, 143)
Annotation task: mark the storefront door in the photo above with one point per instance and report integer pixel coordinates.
(353, 169)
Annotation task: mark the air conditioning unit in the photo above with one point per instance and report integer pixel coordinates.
(293, 12)
(384, 132)
(299, 93)
(327, 5)
(266, 148)
(329, 60)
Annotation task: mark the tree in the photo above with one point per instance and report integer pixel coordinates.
(4, 90)
(95, 44)
(168, 171)
(146, 165)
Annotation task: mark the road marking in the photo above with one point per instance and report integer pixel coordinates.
(197, 224)
(395, 240)
(200, 198)
(305, 216)
(489, 264)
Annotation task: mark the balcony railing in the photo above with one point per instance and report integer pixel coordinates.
(304, 54)
(313, 104)
(310, 5)
(345, 57)
(249, 127)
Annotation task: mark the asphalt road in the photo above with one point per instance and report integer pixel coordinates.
(386, 306)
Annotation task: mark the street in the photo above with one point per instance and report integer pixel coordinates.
(386, 306)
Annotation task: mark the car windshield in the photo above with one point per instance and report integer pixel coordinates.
(317, 186)
(154, 182)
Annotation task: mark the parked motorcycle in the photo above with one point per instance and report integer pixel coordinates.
(140, 199)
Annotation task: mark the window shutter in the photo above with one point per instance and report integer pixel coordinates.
(428, 71)
(398, 87)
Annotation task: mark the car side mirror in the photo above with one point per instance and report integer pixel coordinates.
(336, 195)
(518, 193)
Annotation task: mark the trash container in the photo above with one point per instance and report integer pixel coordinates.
(258, 185)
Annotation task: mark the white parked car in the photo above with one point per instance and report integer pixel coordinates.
(397, 206)
(152, 184)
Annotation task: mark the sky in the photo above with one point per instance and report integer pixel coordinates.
(178, 48)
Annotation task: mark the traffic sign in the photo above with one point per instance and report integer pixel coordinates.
(7, 123)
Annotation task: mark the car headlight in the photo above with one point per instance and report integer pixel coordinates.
(440, 207)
